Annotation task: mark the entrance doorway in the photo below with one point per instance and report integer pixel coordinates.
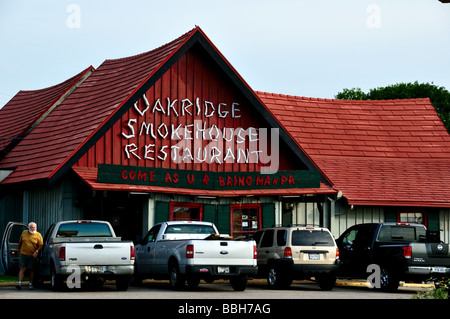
(122, 210)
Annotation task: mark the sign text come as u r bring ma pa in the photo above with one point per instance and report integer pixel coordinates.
(148, 176)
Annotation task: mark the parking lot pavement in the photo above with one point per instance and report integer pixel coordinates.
(219, 290)
(339, 283)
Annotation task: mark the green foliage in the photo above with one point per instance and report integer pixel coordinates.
(440, 291)
(439, 96)
(352, 94)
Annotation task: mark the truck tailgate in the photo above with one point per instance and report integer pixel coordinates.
(430, 254)
(224, 252)
(100, 253)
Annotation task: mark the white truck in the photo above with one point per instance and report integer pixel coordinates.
(190, 251)
(88, 248)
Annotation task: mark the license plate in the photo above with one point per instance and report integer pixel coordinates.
(96, 269)
(314, 257)
(439, 269)
(223, 270)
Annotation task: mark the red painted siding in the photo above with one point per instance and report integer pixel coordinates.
(192, 77)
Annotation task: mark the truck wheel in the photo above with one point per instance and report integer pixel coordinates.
(176, 279)
(388, 280)
(276, 280)
(56, 283)
(326, 281)
(122, 283)
(239, 283)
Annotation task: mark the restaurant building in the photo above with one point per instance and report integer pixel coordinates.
(177, 134)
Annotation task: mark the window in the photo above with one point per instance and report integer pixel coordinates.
(267, 240)
(16, 232)
(257, 236)
(151, 235)
(87, 229)
(190, 229)
(401, 233)
(411, 217)
(349, 238)
(245, 219)
(359, 238)
(281, 237)
(311, 238)
(186, 211)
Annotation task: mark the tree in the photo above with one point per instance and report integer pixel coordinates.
(352, 94)
(439, 96)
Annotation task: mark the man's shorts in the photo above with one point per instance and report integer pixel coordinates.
(26, 261)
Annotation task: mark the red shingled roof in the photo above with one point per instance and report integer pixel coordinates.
(392, 152)
(67, 129)
(27, 108)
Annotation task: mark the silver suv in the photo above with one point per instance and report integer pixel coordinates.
(297, 252)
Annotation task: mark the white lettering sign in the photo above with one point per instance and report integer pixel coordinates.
(196, 142)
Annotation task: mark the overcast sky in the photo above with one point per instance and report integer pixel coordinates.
(306, 48)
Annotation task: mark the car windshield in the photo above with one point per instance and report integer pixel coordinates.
(311, 238)
(84, 230)
(190, 229)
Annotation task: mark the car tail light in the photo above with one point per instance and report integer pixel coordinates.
(255, 252)
(190, 251)
(287, 252)
(62, 253)
(132, 253)
(407, 252)
(337, 253)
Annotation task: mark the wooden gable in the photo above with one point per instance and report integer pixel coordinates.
(192, 118)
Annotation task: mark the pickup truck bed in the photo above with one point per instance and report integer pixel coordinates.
(192, 251)
(88, 249)
(402, 252)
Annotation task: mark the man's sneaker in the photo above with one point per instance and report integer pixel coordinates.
(31, 287)
(19, 286)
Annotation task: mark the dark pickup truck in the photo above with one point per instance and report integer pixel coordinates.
(403, 252)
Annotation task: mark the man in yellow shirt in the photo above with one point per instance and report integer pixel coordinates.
(30, 244)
